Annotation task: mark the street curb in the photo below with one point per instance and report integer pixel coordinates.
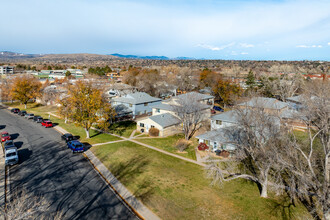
(113, 188)
(128, 195)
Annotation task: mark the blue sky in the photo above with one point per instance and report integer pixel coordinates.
(214, 29)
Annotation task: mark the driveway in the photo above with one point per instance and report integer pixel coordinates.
(66, 180)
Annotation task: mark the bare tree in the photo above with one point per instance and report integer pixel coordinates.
(256, 137)
(22, 206)
(191, 113)
(307, 162)
(287, 86)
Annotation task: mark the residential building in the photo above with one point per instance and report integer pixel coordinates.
(167, 124)
(270, 105)
(6, 70)
(218, 139)
(140, 103)
(119, 89)
(165, 117)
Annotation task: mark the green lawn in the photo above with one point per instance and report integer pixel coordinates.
(168, 144)
(96, 137)
(123, 128)
(175, 189)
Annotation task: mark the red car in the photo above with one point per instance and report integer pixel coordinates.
(5, 136)
(47, 124)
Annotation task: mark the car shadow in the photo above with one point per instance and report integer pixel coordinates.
(2, 127)
(77, 137)
(18, 144)
(87, 146)
(55, 124)
(24, 155)
(14, 136)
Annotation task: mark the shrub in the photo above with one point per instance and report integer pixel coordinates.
(202, 147)
(154, 132)
(182, 144)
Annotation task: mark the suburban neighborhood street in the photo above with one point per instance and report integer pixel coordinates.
(48, 168)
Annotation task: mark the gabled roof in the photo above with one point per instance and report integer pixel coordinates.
(137, 98)
(122, 110)
(269, 103)
(164, 106)
(229, 116)
(195, 94)
(165, 120)
(222, 135)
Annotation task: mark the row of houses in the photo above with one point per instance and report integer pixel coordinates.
(281, 112)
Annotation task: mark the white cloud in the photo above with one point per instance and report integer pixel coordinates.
(329, 44)
(215, 48)
(245, 45)
(309, 46)
(244, 53)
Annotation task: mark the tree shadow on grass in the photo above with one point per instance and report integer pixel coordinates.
(120, 127)
(94, 135)
(282, 207)
(130, 171)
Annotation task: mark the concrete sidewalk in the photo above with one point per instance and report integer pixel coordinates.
(139, 209)
(121, 190)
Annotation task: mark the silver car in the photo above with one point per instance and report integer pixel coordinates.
(29, 116)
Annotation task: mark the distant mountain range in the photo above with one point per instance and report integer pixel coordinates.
(7, 55)
(150, 57)
(13, 55)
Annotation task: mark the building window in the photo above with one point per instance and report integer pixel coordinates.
(141, 125)
(130, 105)
(152, 126)
(218, 122)
(157, 110)
(145, 104)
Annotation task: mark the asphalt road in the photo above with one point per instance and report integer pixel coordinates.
(68, 181)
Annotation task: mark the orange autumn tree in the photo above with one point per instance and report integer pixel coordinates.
(87, 106)
(25, 88)
(225, 91)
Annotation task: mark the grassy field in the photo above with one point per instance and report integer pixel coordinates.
(95, 136)
(175, 189)
(168, 144)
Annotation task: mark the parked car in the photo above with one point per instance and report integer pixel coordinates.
(75, 146)
(5, 136)
(217, 108)
(67, 137)
(15, 110)
(47, 124)
(11, 156)
(22, 113)
(37, 118)
(29, 116)
(9, 144)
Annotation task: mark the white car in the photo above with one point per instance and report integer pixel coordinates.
(11, 156)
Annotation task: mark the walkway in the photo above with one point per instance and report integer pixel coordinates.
(141, 210)
(132, 139)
